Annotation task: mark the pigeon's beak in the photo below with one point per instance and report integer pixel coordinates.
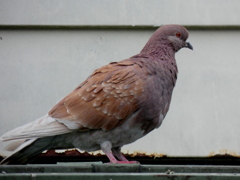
(188, 45)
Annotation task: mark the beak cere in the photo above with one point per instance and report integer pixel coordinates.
(188, 45)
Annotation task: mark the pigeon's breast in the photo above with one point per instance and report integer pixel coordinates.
(155, 101)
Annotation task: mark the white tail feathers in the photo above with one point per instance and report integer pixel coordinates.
(14, 144)
(42, 127)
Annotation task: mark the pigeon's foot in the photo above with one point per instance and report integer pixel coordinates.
(124, 162)
(115, 152)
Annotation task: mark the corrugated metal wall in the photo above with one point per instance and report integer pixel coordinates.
(48, 47)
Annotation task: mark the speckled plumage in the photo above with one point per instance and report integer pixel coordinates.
(116, 105)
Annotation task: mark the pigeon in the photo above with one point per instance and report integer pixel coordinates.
(116, 105)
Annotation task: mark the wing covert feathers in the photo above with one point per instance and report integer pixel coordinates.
(104, 100)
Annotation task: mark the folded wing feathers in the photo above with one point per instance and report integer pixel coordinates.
(107, 97)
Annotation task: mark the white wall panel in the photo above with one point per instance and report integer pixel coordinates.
(38, 67)
(123, 12)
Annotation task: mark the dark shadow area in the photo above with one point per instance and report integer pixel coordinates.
(51, 157)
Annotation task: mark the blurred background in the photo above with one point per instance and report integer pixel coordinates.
(49, 47)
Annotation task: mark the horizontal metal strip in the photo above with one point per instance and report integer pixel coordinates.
(96, 167)
(120, 176)
(113, 27)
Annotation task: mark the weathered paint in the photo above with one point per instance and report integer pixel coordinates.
(224, 153)
(76, 152)
(72, 152)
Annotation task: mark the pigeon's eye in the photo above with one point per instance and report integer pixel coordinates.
(178, 34)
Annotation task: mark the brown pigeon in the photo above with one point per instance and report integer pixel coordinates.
(116, 105)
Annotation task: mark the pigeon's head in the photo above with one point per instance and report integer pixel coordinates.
(175, 35)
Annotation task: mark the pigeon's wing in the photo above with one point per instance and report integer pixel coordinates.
(104, 100)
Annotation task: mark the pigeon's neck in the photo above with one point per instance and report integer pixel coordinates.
(158, 50)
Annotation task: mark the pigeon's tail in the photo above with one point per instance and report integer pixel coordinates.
(19, 155)
(29, 140)
(28, 151)
(42, 127)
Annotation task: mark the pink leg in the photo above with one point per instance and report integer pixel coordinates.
(106, 148)
(117, 153)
